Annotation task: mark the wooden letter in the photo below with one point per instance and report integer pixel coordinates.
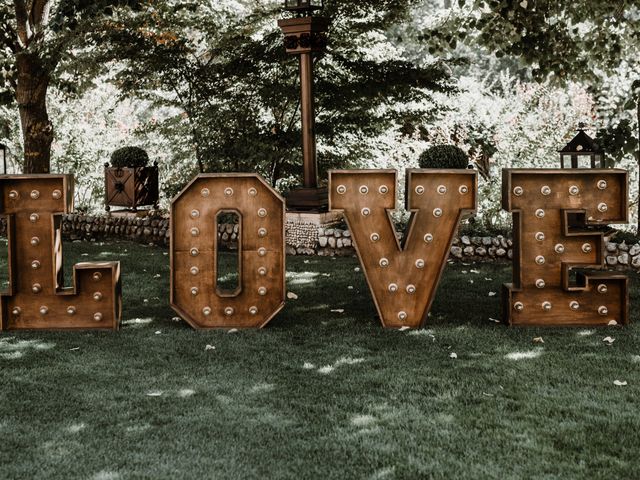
(36, 299)
(194, 291)
(554, 213)
(403, 276)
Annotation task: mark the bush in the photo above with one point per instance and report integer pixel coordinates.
(132, 157)
(444, 156)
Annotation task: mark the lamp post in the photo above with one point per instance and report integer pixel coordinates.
(3, 157)
(305, 35)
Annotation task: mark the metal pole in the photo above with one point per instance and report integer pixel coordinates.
(308, 122)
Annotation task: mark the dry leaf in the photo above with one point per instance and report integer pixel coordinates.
(402, 329)
(612, 323)
(618, 383)
(233, 330)
(209, 347)
(74, 349)
(158, 332)
(474, 271)
(538, 340)
(494, 320)
(337, 310)
(154, 394)
(357, 269)
(609, 340)
(453, 355)
(492, 294)
(292, 296)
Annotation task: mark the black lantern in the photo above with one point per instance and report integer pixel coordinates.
(3, 157)
(303, 6)
(582, 152)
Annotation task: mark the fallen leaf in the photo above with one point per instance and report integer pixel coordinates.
(233, 330)
(337, 310)
(157, 275)
(494, 320)
(209, 347)
(357, 269)
(453, 355)
(492, 294)
(538, 340)
(74, 349)
(306, 261)
(612, 323)
(609, 340)
(402, 329)
(474, 271)
(292, 296)
(176, 319)
(470, 281)
(154, 394)
(488, 279)
(618, 383)
(158, 332)
(350, 287)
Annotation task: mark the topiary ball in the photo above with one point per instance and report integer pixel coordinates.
(444, 156)
(132, 157)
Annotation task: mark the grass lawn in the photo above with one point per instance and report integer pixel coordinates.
(318, 394)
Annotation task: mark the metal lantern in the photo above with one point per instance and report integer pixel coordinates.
(582, 152)
(3, 158)
(303, 6)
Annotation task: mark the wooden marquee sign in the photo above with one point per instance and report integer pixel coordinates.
(403, 277)
(37, 299)
(553, 215)
(195, 293)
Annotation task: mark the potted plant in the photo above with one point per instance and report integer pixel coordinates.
(129, 181)
(444, 156)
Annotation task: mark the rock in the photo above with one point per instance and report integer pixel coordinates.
(456, 252)
(456, 241)
(623, 259)
(501, 252)
(337, 233)
(612, 260)
(329, 232)
(322, 241)
(481, 251)
(496, 241)
(339, 243)
(487, 241)
(320, 231)
(510, 254)
(465, 240)
(491, 251)
(623, 247)
(476, 241)
(346, 242)
(509, 243)
(332, 242)
(289, 250)
(469, 251)
(634, 250)
(346, 233)
(636, 261)
(612, 247)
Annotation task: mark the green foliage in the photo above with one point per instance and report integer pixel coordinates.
(444, 156)
(132, 157)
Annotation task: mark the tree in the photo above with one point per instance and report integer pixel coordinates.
(36, 36)
(237, 92)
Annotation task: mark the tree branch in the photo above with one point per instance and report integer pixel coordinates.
(39, 15)
(22, 21)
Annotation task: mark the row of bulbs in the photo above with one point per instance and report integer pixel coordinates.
(420, 190)
(34, 194)
(573, 305)
(574, 190)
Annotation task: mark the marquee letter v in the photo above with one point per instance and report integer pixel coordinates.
(403, 276)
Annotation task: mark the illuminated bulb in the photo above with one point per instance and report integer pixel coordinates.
(420, 263)
(540, 213)
(262, 212)
(574, 190)
(206, 311)
(71, 310)
(393, 288)
(402, 316)
(602, 184)
(34, 217)
(97, 296)
(365, 212)
(228, 191)
(574, 305)
(229, 311)
(35, 194)
(13, 195)
(428, 238)
(195, 231)
(194, 270)
(546, 306)
(262, 232)
(194, 291)
(463, 189)
(559, 248)
(252, 191)
(587, 248)
(518, 191)
(44, 310)
(194, 252)
(195, 213)
(437, 212)
(540, 236)
(374, 237)
(262, 271)
(262, 251)
(253, 310)
(35, 264)
(384, 262)
(205, 192)
(411, 289)
(16, 311)
(602, 310)
(602, 288)
(546, 190)
(97, 317)
(419, 189)
(35, 241)
(602, 207)
(383, 189)
(540, 260)
(262, 291)
(36, 288)
(56, 194)
(341, 189)
(540, 283)
(364, 189)
(442, 189)
(97, 276)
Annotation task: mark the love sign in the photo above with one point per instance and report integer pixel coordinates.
(37, 299)
(554, 212)
(403, 276)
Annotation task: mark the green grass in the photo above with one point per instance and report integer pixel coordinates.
(318, 394)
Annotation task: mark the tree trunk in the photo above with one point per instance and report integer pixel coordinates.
(638, 159)
(31, 95)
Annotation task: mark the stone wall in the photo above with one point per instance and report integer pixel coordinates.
(303, 238)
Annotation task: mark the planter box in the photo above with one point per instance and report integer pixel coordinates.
(130, 187)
